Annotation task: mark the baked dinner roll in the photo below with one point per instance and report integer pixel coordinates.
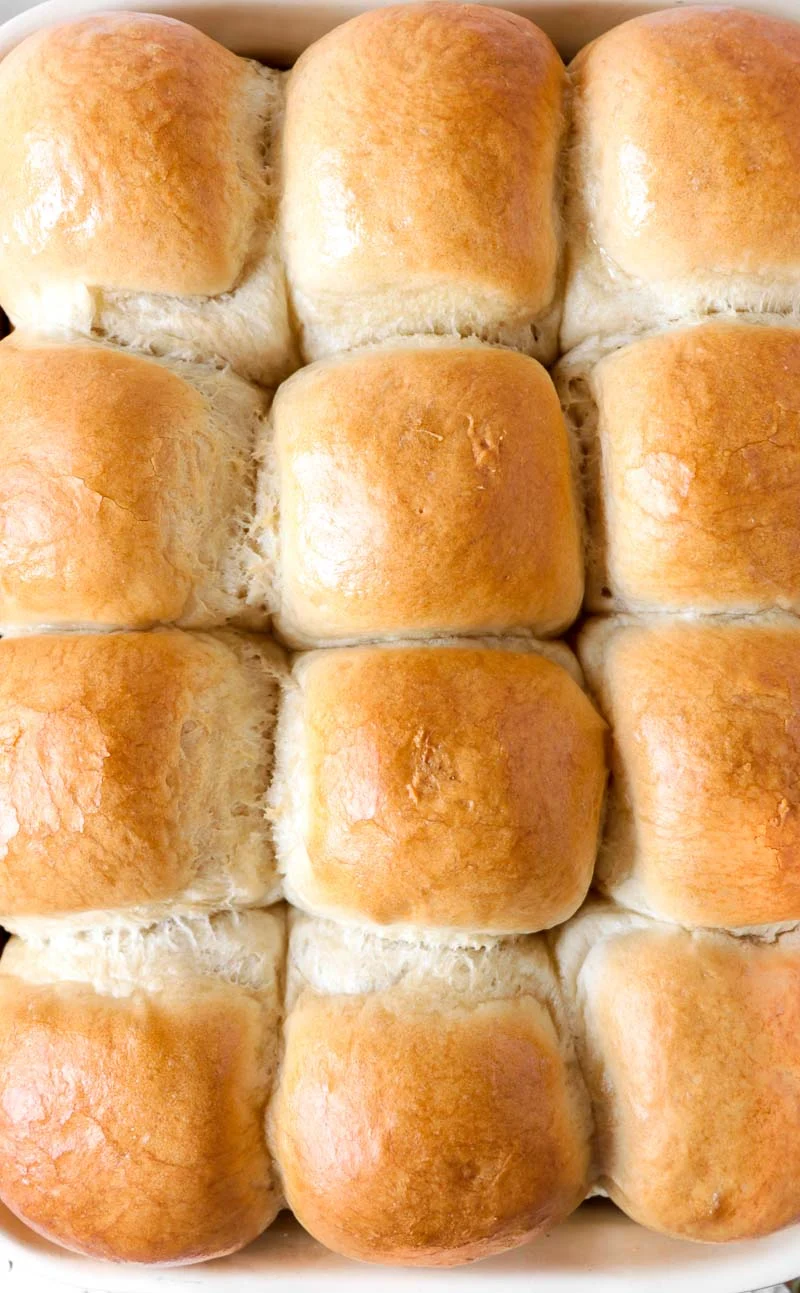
(133, 774)
(138, 167)
(703, 821)
(684, 166)
(420, 159)
(692, 456)
(420, 488)
(429, 1110)
(690, 1044)
(126, 488)
(455, 787)
(135, 1071)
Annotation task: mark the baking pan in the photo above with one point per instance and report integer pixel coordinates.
(598, 1250)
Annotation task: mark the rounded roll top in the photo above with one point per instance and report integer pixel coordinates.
(134, 1078)
(423, 488)
(434, 1118)
(683, 166)
(689, 1045)
(692, 444)
(126, 488)
(453, 789)
(139, 171)
(421, 158)
(134, 770)
(702, 822)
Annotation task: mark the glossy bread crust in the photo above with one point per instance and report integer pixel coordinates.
(420, 157)
(685, 148)
(140, 174)
(124, 483)
(448, 788)
(126, 161)
(690, 1044)
(693, 443)
(431, 1120)
(703, 823)
(133, 772)
(132, 1107)
(424, 488)
(167, 1167)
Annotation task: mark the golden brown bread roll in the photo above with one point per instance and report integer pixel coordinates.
(703, 821)
(684, 163)
(138, 167)
(692, 444)
(690, 1045)
(135, 1072)
(420, 156)
(419, 488)
(428, 1110)
(454, 788)
(133, 774)
(126, 488)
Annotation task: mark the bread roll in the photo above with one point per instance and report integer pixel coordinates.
(135, 1070)
(417, 489)
(692, 445)
(684, 165)
(690, 1044)
(420, 159)
(138, 167)
(133, 775)
(454, 788)
(126, 488)
(429, 1110)
(703, 821)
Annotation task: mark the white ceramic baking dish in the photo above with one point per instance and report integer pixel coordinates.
(598, 1250)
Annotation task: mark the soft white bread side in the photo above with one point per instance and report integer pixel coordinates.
(135, 1072)
(244, 949)
(691, 443)
(127, 488)
(683, 167)
(703, 818)
(429, 1110)
(421, 189)
(454, 789)
(138, 167)
(134, 770)
(690, 1045)
(415, 489)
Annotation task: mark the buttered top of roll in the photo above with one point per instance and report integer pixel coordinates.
(420, 150)
(133, 772)
(449, 787)
(704, 824)
(123, 481)
(136, 1072)
(688, 138)
(130, 158)
(699, 441)
(423, 488)
(429, 1109)
(691, 1049)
